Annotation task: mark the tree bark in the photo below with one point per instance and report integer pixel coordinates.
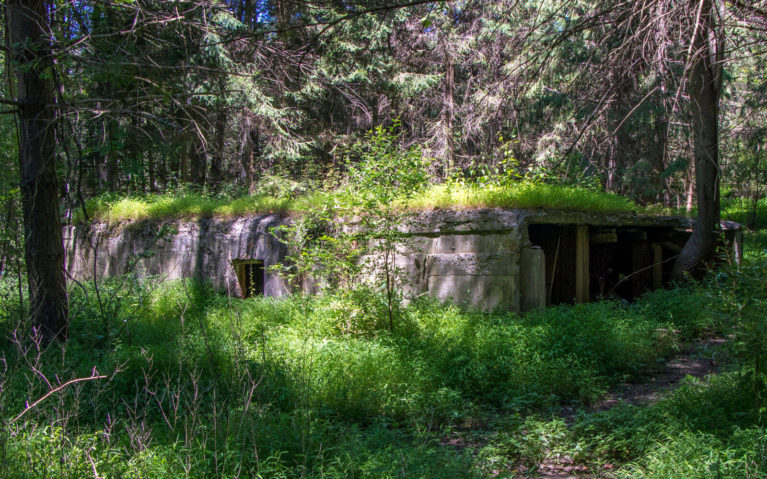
(198, 163)
(113, 171)
(448, 114)
(659, 157)
(703, 87)
(43, 248)
(217, 159)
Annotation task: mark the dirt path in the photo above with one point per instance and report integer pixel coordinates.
(697, 360)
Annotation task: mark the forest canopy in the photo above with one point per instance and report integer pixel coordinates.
(235, 96)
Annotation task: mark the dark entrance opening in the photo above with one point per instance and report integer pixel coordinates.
(627, 262)
(250, 275)
(586, 262)
(558, 243)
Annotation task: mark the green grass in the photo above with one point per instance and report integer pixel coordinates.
(189, 205)
(742, 211)
(215, 386)
(522, 195)
(192, 205)
(732, 209)
(202, 385)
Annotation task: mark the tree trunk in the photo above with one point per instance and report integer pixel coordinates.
(113, 171)
(217, 159)
(448, 114)
(689, 191)
(150, 165)
(198, 163)
(659, 157)
(615, 122)
(282, 15)
(703, 87)
(99, 159)
(249, 20)
(43, 248)
(248, 153)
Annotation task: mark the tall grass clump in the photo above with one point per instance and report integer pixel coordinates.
(521, 194)
(190, 204)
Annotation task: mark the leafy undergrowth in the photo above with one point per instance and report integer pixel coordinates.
(190, 204)
(744, 211)
(201, 385)
(714, 427)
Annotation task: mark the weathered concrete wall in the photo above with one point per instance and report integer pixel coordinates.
(183, 249)
(468, 257)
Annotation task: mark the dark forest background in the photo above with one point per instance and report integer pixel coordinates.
(231, 96)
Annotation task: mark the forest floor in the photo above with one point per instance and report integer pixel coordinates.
(202, 385)
(697, 360)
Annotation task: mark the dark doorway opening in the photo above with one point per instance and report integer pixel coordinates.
(592, 262)
(558, 243)
(250, 275)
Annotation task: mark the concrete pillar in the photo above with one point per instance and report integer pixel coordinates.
(532, 279)
(582, 283)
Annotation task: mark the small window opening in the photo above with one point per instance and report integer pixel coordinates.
(250, 274)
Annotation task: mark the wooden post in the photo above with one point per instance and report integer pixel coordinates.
(582, 264)
(657, 266)
(737, 247)
(239, 271)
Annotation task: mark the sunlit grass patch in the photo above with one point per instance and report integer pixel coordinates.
(112, 209)
(521, 195)
(755, 244)
(189, 205)
(744, 211)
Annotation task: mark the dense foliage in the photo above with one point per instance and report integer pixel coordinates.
(116, 110)
(195, 383)
(225, 95)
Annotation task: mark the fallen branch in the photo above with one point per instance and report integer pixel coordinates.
(626, 278)
(93, 376)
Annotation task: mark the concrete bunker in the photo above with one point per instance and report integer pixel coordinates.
(488, 259)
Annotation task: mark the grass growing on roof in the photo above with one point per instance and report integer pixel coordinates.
(189, 205)
(195, 205)
(521, 195)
